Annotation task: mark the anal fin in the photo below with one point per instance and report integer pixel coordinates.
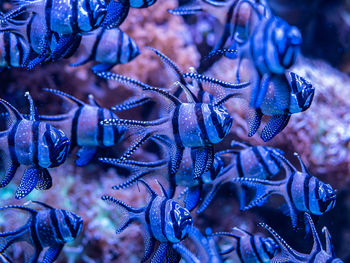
(254, 121)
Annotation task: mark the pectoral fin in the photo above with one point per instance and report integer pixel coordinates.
(28, 182)
(85, 155)
(202, 158)
(274, 126)
(192, 197)
(102, 67)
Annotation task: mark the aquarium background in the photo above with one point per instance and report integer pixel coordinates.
(321, 135)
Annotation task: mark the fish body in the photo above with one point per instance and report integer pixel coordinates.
(287, 94)
(164, 220)
(82, 125)
(301, 191)
(108, 47)
(14, 49)
(48, 228)
(31, 143)
(317, 253)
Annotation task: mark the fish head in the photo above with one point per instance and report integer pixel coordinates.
(326, 197)
(302, 93)
(70, 225)
(222, 122)
(179, 222)
(288, 40)
(270, 246)
(57, 145)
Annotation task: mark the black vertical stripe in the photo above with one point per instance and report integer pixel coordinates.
(7, 43)
(20, 50)
(265, 54)
(54, 221)
(289, 188)
(96, 44)
(239, 252)
(307, 191)
(175, 124)
(89, 12)
(216, 123)
(34, 233)
(35, 142)
(255, 250)
(120, 46)
(130, 48)
(72, 229)
(116, 132)
(162, 216)
(239, 165)
(48, 10)
(11, 142)
(100, 127)
(74, 17)
(261, 160)
(200, 121)
(74, 131)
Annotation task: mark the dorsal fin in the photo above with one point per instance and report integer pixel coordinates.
(27, 209)
(66, 96)
(286, 164)
(33, 115)
(92, 101)
(148, 187)
(42, 204)
(165, 194)
(329, 245)
(13, 112)
(317, 246)
(189, 94)
(303, 166)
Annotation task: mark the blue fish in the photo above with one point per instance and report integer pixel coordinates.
(31, 143)
(317, 253)
(287, 94)
(301, 191)
(82, 124)
(164, 220)
(48, 228)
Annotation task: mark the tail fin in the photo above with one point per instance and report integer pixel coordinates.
(263, 188)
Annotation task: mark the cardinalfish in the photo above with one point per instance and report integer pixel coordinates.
(108, 47)
(82, 124)
(192, 124)
(317, 253)
(301, 191)
(31, 142)
(164, 220)
(46, 229)
(237, 17)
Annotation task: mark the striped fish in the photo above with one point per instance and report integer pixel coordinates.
(48, 228)
(14, 49)
(82, 124)
(238, 17)
(193, 124)
(207, 250)
(31, 143)
(301, 191)
(317, 254)
(109, 47)
(164, 220)
(69, 19)
(288, 94)
(250, 248)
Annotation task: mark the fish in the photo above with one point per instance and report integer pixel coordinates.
(206, 248)
(69, 19)
(237, 17)
(287, 94)
(317, 253)
(301, 191)
(47, 228)
(249, 247)
(108, 47)
(191, 124)
(34, 143)
(14, 49)
(82, 124)
(164, 220)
